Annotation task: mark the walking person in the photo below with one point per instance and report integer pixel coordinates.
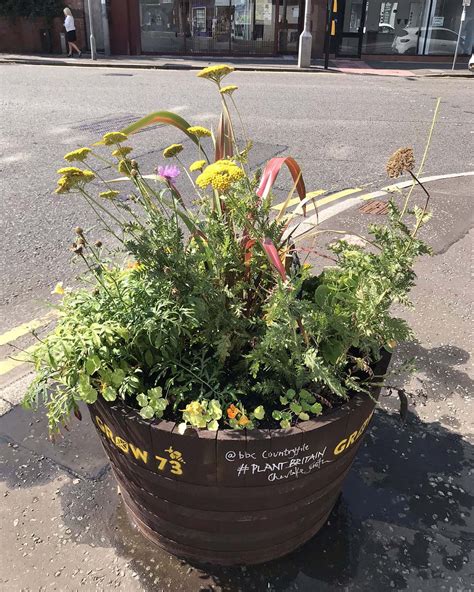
(70, 33)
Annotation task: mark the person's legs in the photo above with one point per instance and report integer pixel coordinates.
(74, 46)
(69, 44)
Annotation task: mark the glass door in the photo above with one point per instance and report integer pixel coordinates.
(351, 23)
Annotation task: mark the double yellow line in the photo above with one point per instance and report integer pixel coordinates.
(320, 202)
(10, 363)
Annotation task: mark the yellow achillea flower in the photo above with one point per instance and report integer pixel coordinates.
(122, 151)
(71, 177)
(215, 73)
(172, 150)
(114, 138)
(125, 166)
(228, 90)
(78, 155)
(221, 175)
(109, 194)
(197, 165)
(199, 131)
(59, 289)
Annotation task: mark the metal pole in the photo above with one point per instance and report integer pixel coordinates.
(463, 18)
(306, 40)
(105, 26)
(91, 29)
(327, 39)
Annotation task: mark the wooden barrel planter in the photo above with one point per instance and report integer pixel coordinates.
(232, 497)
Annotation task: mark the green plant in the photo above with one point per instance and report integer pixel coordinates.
(205, 315)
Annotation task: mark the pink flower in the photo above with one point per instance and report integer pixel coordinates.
(169, 172)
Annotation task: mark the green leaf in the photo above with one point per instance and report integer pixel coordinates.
(142, 400)
(117, 377)
(283, 400)
(109, 394)
(303, 416)
(147, 412)
(92, 365)
(284, 423)
(213, 426)
(295, 407)
(276, 415)
(86, 391)
(149, 358)
(259, 412)
(317, 408)
(321, 294)
(160, 404)
(155, 392)
(290, 394)
(304, 394)
(332, 351)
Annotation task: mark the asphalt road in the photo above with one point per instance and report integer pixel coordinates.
(340, 128)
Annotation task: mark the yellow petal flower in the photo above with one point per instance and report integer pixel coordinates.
(197, 165)
(125, 166)
(78, 155)
(114, 138)
(199, 131)
(109, 194)
(228, 90)
(122, 151)
(59, 289)
(172, 150)
(221, 175)
(215, 73)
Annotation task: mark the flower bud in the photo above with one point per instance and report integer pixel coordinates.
(79, 230)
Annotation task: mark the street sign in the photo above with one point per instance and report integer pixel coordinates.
(466, 2)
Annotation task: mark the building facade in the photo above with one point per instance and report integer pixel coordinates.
(272, 27)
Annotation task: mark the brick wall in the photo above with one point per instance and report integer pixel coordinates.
(23, 35)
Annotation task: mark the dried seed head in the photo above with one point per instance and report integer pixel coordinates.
(78, 230)
(134, 164)
(98, 244)
(133, 173)
(77, 249)
(401, 161)
(81, 241)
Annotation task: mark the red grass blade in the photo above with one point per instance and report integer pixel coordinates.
(271, 171)
(272, 254)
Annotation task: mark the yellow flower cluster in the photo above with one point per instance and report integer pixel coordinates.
(221, 175)
(114, 138)
(125, 166)
(228, 90)
(197, 165)
(199, 131)
(78, 155)
(215, 73)
(72, 177)
(109, 194)
(122, 151)
(172, 150)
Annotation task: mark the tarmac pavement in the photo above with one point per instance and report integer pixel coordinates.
(404, 520)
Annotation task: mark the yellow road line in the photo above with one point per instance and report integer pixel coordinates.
(297, 200)
(23, 329)
(333, 197)
(8, 364)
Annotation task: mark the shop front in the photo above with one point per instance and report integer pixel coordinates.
(225, 27)
(402, 27)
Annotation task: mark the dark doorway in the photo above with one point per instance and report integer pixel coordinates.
(350, 28)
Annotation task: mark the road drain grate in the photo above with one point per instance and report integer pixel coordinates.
(375, 207)
(107, 124)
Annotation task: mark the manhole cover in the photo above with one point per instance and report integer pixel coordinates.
(375, 207)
